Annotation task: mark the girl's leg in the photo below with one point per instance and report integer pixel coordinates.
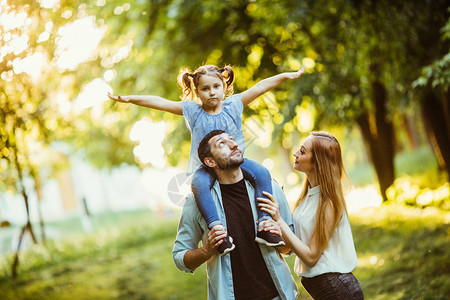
(202, 182)
(261, 180)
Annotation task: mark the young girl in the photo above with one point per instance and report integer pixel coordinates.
(323, 239)
(210, 85)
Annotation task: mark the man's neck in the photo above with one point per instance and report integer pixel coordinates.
(229, 176)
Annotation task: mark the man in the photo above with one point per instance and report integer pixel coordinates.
(251, 270)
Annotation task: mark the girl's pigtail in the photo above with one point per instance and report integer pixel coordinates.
(228, 76)
(185, 82)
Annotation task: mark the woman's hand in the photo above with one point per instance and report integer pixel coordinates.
(271, 226)
(270, 206)
(118, 98)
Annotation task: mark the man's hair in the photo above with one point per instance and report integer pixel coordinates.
(204, 149)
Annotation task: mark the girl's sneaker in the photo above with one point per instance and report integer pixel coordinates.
(269, 239)
(226, 246)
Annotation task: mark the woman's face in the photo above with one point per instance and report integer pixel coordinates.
(303, 157)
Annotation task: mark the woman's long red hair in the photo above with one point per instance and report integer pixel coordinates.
(329, 167)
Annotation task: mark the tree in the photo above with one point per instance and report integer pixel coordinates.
(39, 78)
(368, 53)
(434, 83)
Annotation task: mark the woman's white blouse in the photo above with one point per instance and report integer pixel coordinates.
(340, 256)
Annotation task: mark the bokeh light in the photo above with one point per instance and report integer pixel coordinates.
(78, 42)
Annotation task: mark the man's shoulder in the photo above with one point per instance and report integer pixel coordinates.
(277, 187)
(189, 206)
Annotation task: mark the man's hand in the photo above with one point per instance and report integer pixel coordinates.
(194, 258)
(213, 240)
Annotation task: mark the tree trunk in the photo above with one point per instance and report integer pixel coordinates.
(379, 139)
(27, 227)
(15, 264)
(437, 119)
(38, 187)
(410, 129)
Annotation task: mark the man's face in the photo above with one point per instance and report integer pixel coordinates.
(225, 151)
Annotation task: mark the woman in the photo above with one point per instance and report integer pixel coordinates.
(323, 239)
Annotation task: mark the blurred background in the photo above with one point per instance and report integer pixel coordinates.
(91, 190)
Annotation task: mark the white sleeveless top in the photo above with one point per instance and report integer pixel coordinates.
(340, 256)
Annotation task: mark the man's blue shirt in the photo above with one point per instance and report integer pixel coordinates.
(192, 229)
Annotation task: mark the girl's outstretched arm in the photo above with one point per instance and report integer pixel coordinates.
(267, 84)
(154, 102)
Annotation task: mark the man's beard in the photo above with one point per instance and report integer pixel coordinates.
(229, 163)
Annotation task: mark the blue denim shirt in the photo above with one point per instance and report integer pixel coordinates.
(192, 229)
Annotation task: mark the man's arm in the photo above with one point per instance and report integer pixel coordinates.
(196, 257)
(186, 253)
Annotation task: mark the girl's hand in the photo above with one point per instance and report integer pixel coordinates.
(118, 98)
(270, 206)
(271, 226)
(295, 75)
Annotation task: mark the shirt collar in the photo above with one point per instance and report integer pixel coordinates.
(313, 190)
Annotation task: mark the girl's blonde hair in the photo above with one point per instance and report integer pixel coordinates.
(189, 81)
(329, 167)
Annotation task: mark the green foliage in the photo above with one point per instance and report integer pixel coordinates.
(418, 166)
(345, 44)
(417, 162)
(406, 191)
(438, 73)
(31, 117)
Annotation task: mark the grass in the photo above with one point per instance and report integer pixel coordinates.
(130, 259)
(403, 254)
